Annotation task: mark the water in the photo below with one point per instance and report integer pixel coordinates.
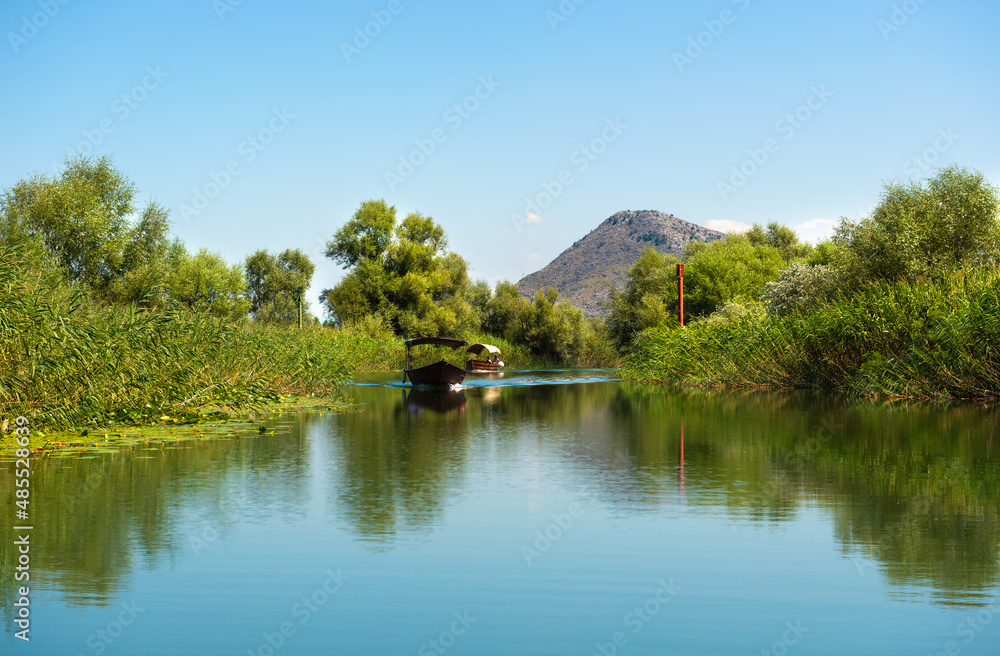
(534, 513)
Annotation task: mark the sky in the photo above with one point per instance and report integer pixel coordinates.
(518, 126)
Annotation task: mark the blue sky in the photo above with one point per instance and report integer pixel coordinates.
(519, 126)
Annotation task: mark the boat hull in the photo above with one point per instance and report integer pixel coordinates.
(438, 374)
(483, 367)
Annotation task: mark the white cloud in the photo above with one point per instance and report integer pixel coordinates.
(815, 230)
(533, 218)
(725, 225)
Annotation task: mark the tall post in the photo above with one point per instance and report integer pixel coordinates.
(680, 293)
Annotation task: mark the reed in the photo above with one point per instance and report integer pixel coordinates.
(71, 361)
(927, 339)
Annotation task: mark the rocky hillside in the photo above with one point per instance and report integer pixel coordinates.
(585, 271)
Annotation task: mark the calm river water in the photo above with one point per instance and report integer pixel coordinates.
(540, 513)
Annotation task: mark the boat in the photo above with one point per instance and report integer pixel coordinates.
(438, 374)
(483, 364)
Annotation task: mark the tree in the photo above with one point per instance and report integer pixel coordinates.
(275, 283)
(649, 298)
(84, 222)
(205, 282)
(923, 230)
(366, 236)
(800, 288)
(402, 272)
(782, 238)
(547, 325)
(723, 270)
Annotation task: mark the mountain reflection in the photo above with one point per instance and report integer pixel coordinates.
(912, 490)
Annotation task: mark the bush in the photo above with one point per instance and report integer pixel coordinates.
(800, 288)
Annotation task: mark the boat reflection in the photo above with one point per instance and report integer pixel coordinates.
(442, 401)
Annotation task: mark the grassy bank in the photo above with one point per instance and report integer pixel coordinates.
(919, 340)
(72, 362)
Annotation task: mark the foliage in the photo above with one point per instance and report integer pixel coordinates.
(75, 362)
(649, 298)
(782, 238)
(275, 283)
(930, 338)
(800, 288)
(401, 272)
(923, 230)
(550, 327)
(84, 223)
(204, 282)
(722, 270)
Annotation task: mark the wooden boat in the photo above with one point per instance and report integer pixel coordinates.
(439, 373)
(481, 364)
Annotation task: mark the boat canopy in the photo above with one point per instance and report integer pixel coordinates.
(479, 348)
(437, 341)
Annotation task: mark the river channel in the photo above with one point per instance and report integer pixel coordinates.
(548, 513)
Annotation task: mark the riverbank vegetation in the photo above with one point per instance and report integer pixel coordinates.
(105, 317)
(904, 303)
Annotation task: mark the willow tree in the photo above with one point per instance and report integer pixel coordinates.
(85, 221)
(401, 271)
(923, 229)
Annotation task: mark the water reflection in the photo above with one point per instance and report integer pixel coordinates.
(912, 491)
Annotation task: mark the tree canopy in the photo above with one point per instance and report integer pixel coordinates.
(275, 283)
(84, 221)
(923, 229)
(649, 298)
(723, 270)
(401, 271)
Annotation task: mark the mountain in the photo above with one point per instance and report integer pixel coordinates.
(586, 271)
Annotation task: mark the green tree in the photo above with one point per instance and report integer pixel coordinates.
(782, 238)
(923, 230)
(84, 221)
(549, 326)
(366, 236)
(205, 282)
(275, 283)
(402, 272)
(726, 269)
(649, 298)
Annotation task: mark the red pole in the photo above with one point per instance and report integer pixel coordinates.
(680, 293)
